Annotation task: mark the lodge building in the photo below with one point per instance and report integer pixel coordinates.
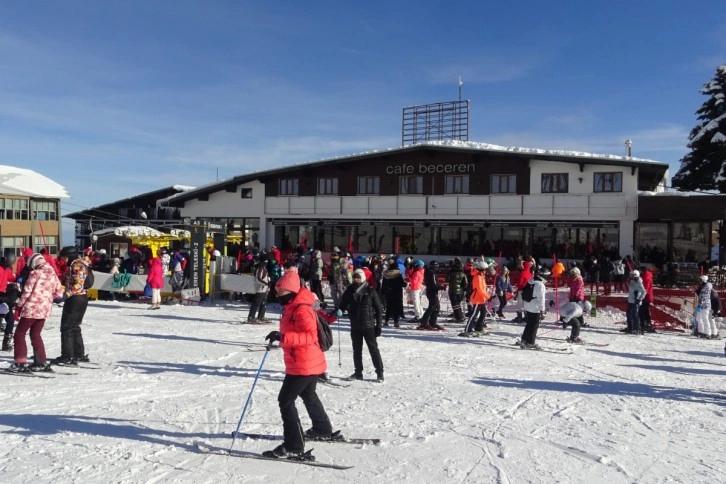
(449, 198)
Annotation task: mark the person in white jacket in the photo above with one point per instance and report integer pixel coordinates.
(534, 311)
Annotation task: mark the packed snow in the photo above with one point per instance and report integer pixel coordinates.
(643, 409)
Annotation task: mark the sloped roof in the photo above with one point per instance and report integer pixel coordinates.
(655, 169)
(21, 181)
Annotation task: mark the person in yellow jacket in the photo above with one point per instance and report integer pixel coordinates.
(478, 300)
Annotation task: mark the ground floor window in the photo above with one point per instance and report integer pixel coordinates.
(565, 242)
(49, 242)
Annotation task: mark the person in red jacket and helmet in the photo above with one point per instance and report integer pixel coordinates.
(304, 363)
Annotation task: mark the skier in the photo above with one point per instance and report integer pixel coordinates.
(636, 293)
(9, 294)
(365, 312)
(572, 314)
(706, 324)
(416, 286)
(430, 316)
(644, 311)
(534, 311)
(503, 288)
(261, 284)
(74, 308)
(316, 276)
(392, 289)
(524, 277)
(478, 300)
(304, 363)
(457, 282)
(34, 307)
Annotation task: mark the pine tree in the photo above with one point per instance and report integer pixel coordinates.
(704, 168)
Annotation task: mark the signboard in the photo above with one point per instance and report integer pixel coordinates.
(196, 255)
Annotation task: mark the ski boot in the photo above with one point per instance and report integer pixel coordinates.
(18, 368)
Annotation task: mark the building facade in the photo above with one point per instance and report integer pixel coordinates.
(30, 207)
(438, 199)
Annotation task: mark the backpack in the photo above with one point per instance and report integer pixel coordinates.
(325, 334)
(89, 280)
(528, 292)
(715, 302)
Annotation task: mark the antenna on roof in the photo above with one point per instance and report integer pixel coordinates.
(461, 83)
(628, 147)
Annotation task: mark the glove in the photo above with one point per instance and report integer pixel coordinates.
(378, 330)
(338, 313)
(273, 336)
(16, 314)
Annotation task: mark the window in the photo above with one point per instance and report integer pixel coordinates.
(504, 184)
(554, 182)
(327, 186)
(457, 184)
(608, 182)
(246, 193)
(50, 241)
(411, 185)
(288, 186)
(14, 209)
(369, 185)
(44, 210)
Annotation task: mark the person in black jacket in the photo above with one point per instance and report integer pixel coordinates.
(392, 289)
(428, 320)
(457, 282)
(365, 312)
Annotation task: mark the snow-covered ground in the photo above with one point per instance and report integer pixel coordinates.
(452, 410)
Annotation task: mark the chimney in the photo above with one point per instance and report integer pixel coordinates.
(628, 147)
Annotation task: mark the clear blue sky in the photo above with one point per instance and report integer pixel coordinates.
(113, 99)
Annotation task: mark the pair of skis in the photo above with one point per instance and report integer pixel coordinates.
(306, 459)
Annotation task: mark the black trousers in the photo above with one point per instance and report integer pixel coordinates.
(71, 338)
(357, 336)
(302, 386)
(394, 306)
(456, 300)
(502, 303)
(258, 306)
(316, 286)
(530, 329)
(431, 315)
(575, 322)
(478, 312)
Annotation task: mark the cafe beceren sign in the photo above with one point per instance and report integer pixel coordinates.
(423, 168)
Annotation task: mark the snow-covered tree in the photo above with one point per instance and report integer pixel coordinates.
(704, 168)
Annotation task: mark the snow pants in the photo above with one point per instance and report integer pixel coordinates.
(632, 317)
(21, 348)
(258, 306)
(706, 323)
(530, 329)
(71, 338)
(416, 299)
(302, 386)
(456, 300)
(368, 335)
(431, 315)
(394, 306)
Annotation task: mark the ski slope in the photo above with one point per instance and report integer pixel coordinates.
(452, 410)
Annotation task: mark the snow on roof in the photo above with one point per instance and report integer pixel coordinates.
(131, 231)
(21, 181)
(473, 145)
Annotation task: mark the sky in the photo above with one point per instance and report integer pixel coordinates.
(115, 99)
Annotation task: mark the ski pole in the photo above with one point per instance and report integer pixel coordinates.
(340, 361)
(249, 397)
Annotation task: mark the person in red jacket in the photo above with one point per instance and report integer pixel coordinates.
(415, 284)
(304, 363)
(646, 323)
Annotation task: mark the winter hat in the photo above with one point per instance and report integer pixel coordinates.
(88, 251)
(359, 273)
(419, 263)
(35, 261)
(703, 279)
(480, 265)
(575, 271)
(27, 252)
(635, 273)
(290, 281)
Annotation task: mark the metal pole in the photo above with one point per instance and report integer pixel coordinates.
(249, 397)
